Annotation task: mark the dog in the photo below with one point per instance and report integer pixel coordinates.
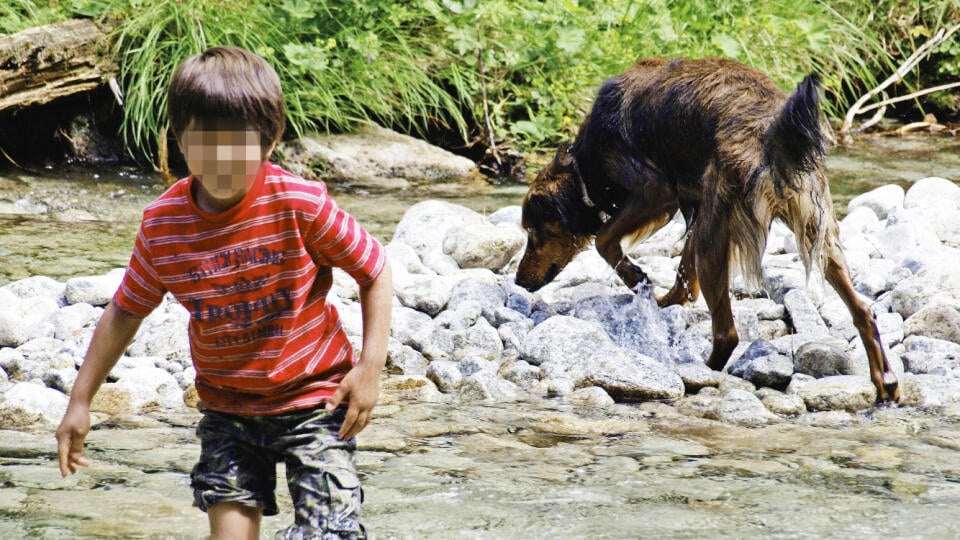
(719, 142)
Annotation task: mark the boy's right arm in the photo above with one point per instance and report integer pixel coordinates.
(114, 332)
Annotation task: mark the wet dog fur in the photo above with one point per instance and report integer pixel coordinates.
(720, 143)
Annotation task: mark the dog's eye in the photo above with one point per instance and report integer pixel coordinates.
(533, 237)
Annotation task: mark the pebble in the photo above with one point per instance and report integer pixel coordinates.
(463, 330)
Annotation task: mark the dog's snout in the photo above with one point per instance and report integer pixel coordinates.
(526, 283)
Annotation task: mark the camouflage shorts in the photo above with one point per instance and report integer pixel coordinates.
(238, 463)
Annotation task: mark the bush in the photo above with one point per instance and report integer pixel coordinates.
(517, 72)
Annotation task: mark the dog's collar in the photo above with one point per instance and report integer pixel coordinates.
(604, 217)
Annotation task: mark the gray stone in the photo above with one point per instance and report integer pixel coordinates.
(743, 408)
(803, 313)
(940, 322)
(632, 377)
(163, 333)
(93, 290)
(440, 263)
(935, 282)
(489, 296)
(765, 308)
(841, 392)
(37, 287)
(570, 348)
(591, 397)
(825, 359)
(520, 373)
(425, 225)
(486, 386)
(405, 360)
(484, 245)
(428, 294)
(508, 214)
(883, 201)
(929, 390)
(470, 365)
(774, 370)
(445, 374)
(784, 404)
(373, 152)
(413, 328)
(478, 339)
(74, 320)
(403, 257)
(696, 376)
(27, 403)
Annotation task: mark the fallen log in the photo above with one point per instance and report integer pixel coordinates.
(42, 64)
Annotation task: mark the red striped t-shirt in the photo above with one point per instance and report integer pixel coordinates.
(254, 279)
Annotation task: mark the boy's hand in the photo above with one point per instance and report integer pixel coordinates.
(70, 435)
(361, 387)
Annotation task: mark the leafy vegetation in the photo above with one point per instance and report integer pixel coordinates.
(514, 72)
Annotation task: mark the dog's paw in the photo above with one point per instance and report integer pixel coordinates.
(631, 274)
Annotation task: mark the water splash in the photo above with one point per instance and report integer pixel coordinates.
(632, 321)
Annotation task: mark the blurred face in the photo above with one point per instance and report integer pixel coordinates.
(224, 155)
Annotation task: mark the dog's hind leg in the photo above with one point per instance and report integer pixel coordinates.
(835, 271)
(712, 251)
(686, 288)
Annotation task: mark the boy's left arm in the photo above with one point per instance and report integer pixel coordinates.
(361, 385)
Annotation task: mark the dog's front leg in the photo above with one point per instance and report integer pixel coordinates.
(629, 227)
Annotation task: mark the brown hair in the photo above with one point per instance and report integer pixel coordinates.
(227, 83)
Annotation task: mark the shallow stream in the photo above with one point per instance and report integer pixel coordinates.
(532, 469)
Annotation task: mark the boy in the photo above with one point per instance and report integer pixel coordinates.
(248, 249)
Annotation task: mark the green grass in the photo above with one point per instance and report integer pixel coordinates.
(527, 68)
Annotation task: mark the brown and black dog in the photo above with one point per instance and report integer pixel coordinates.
(721, 143)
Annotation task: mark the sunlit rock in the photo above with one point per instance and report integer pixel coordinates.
(940, 322)
(883, 200)
(93, 290)
(743, 408)
(445, 374)
(425, 225)
(841, 392)
(484, 245)
(26, 403)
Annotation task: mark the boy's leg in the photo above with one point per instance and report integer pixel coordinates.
(322, 477)
(234, 479)
(234, 521)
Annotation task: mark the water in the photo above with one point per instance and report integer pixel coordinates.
(536, 469)
(533, 469)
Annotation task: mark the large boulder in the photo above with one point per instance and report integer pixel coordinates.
(373, 153)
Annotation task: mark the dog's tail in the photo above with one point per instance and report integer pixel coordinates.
(794, 149)
(794, 143)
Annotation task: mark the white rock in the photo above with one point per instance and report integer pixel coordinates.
(38, 287)
(94, 290)
(931, 192)
(883, 201)
(425, 225)
(483, 245)
(25, 403)
(841, 392)
(743, 408)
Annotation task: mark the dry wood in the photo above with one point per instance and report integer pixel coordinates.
(49, 62)
(912, 61)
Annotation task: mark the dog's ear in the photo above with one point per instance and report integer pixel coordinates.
(566, 155)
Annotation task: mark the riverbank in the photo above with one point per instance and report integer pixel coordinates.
(494, 397)
(463, 330)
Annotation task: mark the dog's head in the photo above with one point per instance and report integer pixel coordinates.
(554, 216)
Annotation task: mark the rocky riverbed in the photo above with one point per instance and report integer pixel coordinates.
(463, 330)
(582, 360)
